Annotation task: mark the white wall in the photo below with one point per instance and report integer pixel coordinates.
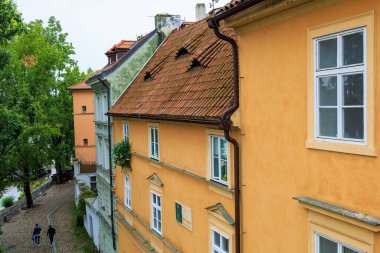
(90, 212)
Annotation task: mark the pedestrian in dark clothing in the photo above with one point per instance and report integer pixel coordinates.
(51, 233)
(37, 234)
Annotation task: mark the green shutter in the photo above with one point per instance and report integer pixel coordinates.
(178, 212)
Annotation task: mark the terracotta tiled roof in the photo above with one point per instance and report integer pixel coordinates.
(190, 77)
(111, 67)
(123, 45)
(80, 86)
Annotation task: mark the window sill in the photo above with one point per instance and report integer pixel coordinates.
(342, 147)
(156, 233)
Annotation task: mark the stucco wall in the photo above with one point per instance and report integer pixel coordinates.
(276, 165)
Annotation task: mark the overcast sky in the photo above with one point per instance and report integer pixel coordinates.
(96, 25)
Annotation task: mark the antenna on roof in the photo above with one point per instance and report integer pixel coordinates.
(212, 4)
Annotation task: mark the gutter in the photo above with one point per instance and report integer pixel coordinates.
(107, 86)
(226, 123)
(185, 120)
(235, 10)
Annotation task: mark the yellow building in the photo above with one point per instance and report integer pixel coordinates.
(310, 127)
(178, 195)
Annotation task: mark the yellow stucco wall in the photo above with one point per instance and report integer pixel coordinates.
(185, 146)
(84, 127)
(276, 165)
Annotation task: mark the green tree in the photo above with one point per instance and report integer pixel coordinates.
(34, 88)
(10, 25)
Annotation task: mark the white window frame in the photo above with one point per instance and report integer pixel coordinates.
(98, 107)
(339, 72)
(155, 154)
(125, 131)
(127, 186)
(105, 107)
(216, 248)
(155, 209)
(219, 178)
(340, 244)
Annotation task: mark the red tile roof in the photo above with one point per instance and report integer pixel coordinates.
(80, 86)
(196, 86)
(123, 45)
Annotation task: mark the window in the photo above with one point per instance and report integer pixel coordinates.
(105, 108)
(219, 161)
(98, 106)
(93, 183)
(340, 104)
(324, 244)
(154, 143)
(220, 244)
(125, 131)
(85, 142)
(84, 108)
(156, 213)
(128, 192)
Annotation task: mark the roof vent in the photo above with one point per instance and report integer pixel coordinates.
(147, 76)
(195, 64)
(182, 51)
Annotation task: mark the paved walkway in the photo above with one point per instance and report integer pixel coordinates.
(17, 232)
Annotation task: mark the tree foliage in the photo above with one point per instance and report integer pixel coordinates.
(34, 92)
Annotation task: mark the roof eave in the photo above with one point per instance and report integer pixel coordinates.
(235, 10)
(208, 121)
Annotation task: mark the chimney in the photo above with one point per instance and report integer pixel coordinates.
(166, 23)
(200, 11)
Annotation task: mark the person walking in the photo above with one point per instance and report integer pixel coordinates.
(51, 233)
(37, 235)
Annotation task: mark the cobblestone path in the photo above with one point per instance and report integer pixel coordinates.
(17, 232)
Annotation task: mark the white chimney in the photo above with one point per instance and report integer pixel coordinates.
(200, 11)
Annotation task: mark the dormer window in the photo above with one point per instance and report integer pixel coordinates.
(181, 52)
(195, 64)
(147, 76)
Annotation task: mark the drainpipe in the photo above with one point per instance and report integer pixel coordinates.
(107, 86)
(225, 125)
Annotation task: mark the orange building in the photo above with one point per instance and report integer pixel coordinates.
(84, 128)
(178, 195)
(310, 127)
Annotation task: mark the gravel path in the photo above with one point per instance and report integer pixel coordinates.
(17, 232)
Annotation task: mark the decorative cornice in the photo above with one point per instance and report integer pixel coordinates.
(273, 11)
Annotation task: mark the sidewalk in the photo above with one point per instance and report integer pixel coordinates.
(17, 232)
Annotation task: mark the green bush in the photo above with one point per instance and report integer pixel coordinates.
(8, 201)
(81, 201)
(36, 184)
(22, 194)
(122, 154)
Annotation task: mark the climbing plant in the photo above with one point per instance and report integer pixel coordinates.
(122, 154)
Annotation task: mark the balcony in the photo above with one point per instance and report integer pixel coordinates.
(87, 167)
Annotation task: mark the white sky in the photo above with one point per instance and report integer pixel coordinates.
(94, 26)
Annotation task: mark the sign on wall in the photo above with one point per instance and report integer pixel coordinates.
(183, 215)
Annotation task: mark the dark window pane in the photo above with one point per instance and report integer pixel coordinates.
(328, 91)
(353, 89)
(328, 122)
(216, 239)
(347, 250)
(327, 246)
(216, 167)
(178, 212)
(223, 147)
(353, 123)
(353, 48)
(327, 53)
(224, 170)
(225, 244)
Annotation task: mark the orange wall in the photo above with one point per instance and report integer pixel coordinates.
(84, 127)
(181, 145)
(276, 165)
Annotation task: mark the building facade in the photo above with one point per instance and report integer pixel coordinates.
(85, 147)
(125, 60)
(178, 195)
(309, 128)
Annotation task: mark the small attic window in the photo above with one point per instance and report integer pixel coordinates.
(182, 51)
(147, 76)
(195, 64)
